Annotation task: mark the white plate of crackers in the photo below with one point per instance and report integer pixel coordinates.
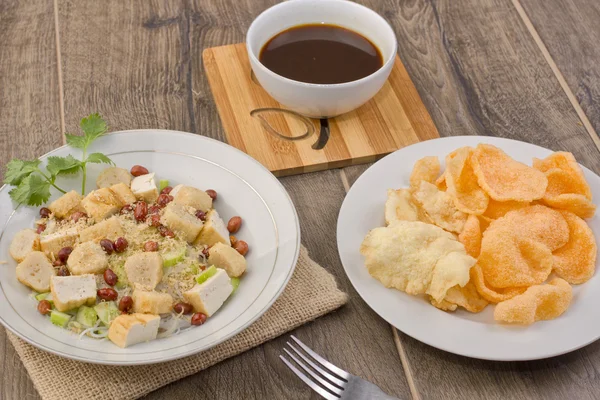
(479, 246)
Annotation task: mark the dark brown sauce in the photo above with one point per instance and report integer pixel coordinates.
(320, 53)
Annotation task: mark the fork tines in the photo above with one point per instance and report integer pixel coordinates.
(323, 377)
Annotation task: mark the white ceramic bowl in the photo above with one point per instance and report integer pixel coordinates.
(316, 100)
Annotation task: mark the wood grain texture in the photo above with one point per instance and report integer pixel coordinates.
(139, 63)
(29, 123)
(130, 61)
(153, 77)
(480, 73)
(394, 118)
(569, 29)
(29, 116)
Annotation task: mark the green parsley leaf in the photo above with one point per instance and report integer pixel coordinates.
(63, 165)
(33, 190)
(19, 193)
(98, 158)
(17, 170)
(39, 190)
(93, 127)
(32, 185)
(75, 141)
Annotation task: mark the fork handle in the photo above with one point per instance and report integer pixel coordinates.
(380, 395)
(363, 389)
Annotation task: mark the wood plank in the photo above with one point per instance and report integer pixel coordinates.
(570, 32)
(160, 70)
(480, 73)
(130, 61)
(29, 123)
(30, 119)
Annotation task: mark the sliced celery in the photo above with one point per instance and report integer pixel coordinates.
(163, 183)
(43, 296)
(235, 282)
(59, 319)
(208, 273)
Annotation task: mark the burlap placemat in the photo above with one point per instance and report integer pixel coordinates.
(311, 292)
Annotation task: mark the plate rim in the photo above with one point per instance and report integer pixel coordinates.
(354, 279)
(222, 339)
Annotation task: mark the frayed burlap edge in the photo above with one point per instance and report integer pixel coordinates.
(311, 292)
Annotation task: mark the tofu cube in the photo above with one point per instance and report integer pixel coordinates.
(66, 204)
(209, 296)
(226, 257)
(87, 258)
(186, 225)
(101, 204)
(144, 188)
(123, 193)
(35, 271)
(127, 330)
(23, 243)
(109, 229)
(214, 230)
(51, 244)
(191, 197)
(52, 226)
(112, 176)
(144, 270)
(69, 292)
(147, 302)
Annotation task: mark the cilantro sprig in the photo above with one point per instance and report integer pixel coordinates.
(93, 127)
(32, 184)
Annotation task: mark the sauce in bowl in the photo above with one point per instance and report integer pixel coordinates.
(321, 53)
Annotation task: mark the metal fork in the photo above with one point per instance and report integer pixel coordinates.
(331, 382)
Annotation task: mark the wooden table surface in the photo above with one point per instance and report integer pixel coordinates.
(522, 69)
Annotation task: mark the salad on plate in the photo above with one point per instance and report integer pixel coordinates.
(130, 261)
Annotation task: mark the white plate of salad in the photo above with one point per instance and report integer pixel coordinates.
(140, 246)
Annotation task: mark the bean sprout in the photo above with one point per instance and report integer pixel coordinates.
(90, 331)
(103, 332)
(173, 328)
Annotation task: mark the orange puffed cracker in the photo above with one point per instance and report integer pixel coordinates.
(484, 222)
(497, 209)
(567, 188)
(489, 293)
(426, 169)
(565, 162)
(576, 203)
(575, 262)
(440, 182)
(470, 236)
(562, 182)
(539, 302)
(509, 261)
(505, 179)
(462, 182)
(516, 250)
(465, 297)
(539, 223)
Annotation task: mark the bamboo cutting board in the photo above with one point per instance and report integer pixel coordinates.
(394, 118)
